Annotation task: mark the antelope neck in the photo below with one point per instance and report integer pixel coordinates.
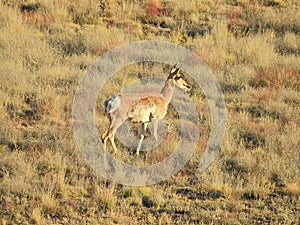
(168, 90)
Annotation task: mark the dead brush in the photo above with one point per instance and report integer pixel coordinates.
(277, 77)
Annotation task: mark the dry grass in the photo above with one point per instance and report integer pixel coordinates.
(253, 47)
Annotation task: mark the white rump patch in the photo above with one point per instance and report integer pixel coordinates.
(112, 104)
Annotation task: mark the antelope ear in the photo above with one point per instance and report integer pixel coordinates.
(174, 70)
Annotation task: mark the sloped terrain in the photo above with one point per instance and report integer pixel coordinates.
(252, 47)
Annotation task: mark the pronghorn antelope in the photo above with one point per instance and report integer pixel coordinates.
(141, 108)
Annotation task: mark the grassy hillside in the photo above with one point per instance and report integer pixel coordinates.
(253, 48)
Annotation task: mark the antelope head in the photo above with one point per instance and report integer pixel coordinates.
(178, 79)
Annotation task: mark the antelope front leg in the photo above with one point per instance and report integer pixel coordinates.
(144, 127)
(155, 126)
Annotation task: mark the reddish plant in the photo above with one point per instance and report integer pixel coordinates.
(154, 8)
(277, 77)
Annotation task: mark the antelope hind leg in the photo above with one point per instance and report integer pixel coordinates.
(144, 127)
